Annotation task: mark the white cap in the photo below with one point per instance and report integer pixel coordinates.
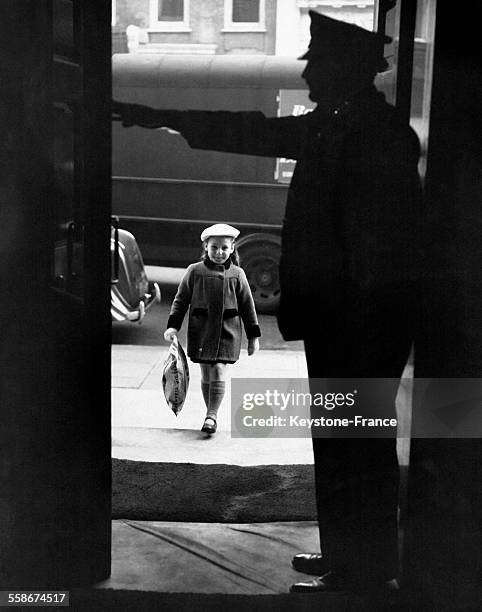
(219, 229)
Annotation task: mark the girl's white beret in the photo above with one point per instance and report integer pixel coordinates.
(219, 229)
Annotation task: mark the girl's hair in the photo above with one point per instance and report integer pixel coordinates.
(234, 257)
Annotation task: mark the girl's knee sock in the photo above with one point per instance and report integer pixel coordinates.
(205, 392)
(216, 394)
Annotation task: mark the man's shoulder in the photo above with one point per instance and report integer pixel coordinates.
(383, 128)
(390, 119)
(397, 133)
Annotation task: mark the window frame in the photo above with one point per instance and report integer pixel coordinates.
(167, 26)
(251, 26)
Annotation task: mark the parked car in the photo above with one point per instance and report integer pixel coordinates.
(131, 293)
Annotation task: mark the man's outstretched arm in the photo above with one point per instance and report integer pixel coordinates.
(249, 132)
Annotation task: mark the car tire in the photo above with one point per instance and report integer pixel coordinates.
(260, 261)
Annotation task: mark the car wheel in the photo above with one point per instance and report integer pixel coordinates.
(260, 261)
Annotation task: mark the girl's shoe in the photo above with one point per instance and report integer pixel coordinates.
(209, 426)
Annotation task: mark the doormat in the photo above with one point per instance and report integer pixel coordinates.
(213, 493)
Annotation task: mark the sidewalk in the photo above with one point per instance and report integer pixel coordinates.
(145, 429)
(157, 560)
(227, 559)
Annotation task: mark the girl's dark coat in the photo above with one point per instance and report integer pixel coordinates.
(218, 298)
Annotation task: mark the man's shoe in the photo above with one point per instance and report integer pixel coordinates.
(331, 582)
(310, 563)
(327, 583)
(209, 426)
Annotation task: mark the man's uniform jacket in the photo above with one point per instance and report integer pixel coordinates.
(349, 264)
(353, 209)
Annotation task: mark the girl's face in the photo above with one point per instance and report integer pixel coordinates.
(219, 248)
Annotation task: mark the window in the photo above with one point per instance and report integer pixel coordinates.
(170, 10)
(244, 15)
(245, 11)
(169, 15)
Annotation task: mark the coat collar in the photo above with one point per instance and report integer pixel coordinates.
(213, 266)
(361, 104)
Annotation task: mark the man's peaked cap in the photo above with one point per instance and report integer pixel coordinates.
(335, 40)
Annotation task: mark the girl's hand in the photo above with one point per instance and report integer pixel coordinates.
(170, 334)
(253, 345)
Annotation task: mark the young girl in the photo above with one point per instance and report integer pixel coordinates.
(217, 293)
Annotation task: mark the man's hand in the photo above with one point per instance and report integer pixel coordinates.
(253, 345)
(137, 114)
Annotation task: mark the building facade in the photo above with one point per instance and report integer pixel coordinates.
(198, 26)
(269, 27)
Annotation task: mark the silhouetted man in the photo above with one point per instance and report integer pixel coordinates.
(348, 258)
